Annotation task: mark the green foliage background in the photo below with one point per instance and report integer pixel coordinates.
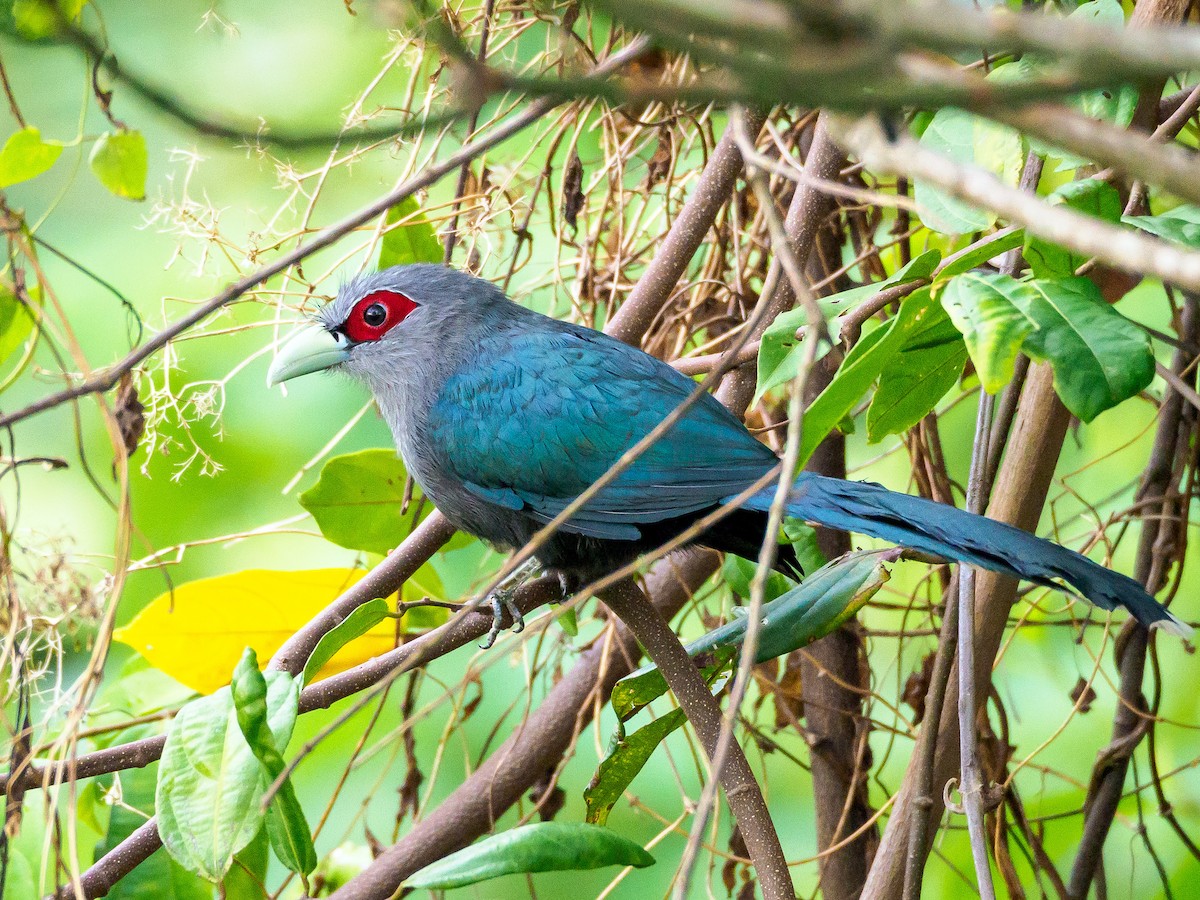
(301, 60)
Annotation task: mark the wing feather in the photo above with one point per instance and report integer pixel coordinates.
(546, 413)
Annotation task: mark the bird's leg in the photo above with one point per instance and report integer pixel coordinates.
(503, 599)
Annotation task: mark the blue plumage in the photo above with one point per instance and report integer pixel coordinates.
(505, 416)
(565, 403)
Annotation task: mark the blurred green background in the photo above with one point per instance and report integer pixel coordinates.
(300, 65)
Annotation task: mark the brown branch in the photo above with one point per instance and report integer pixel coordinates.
(108, 377)
(831, 669)
(704, 714)
(1019, 494)
(672, 256)
(971, 780)
(382, 581)
(1158, 547)
(537, 745)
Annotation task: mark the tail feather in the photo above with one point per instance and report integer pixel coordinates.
(953, 534)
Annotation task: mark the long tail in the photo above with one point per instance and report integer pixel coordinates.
(953, 534)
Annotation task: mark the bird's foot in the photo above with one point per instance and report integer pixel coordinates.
(503, 599)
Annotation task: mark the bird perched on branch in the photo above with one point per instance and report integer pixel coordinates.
(504, 416)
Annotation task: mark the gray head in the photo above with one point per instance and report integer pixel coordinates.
(384, 327)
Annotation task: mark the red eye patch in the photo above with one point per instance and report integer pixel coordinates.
(376, 314)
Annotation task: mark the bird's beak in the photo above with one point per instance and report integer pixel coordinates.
(310, 349)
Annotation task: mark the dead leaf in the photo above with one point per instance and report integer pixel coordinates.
(1084, 690)
(129, 413)
(916, 687)
(572, 190)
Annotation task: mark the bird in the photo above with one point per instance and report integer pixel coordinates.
(504, 416)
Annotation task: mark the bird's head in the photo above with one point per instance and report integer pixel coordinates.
(382, 324)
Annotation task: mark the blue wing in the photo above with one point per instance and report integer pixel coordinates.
(546, 413)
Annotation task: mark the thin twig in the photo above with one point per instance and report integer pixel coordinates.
(972, 778)
(741, 789)
(110, 375)
(1121, 248)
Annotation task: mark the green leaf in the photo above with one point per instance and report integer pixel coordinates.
(825, 600)
(780, 354)
(248, 873)
(20, 881)
(36, 19)
(90, 807)
(971, 140)
(803, 538)
(25, 155)
(287, 829)
(358, 501)
(818, 606)
(568, 621)
(358, 623)
(159, 877)
(633, 692)
(861, 367)
(1181, 225)
(425, 582)
(541, 847)
(16, 322)
(1099, 357)
(983, 307)
(210, 784)
(988, 247)
(1090, 197)
(1104, 12)
(738, 574)
(408, 237)
(120, 161)
(626, 758)
(910, 386)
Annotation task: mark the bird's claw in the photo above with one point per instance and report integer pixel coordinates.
(503, 600)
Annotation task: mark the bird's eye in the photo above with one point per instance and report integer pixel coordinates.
(375, 315)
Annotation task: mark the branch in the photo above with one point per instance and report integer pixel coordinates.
(1121, 248)
(672, 256)
(1020, 492)
(704, 713)
(538, 745)
(109, 377)
(1159, 542)
(971, 782)
(382, 581)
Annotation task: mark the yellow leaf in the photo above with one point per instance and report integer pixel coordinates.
(197, 633)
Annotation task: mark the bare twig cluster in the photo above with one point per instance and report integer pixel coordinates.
(608, 173)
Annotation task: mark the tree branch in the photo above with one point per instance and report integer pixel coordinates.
(537, 745)
(1158, 547)
(105, 380)
(704, 713)
(1121, 248)
(672, 256)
